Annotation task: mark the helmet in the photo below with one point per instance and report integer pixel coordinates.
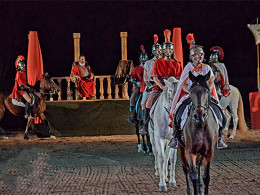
(20, 63)
(194, 49)
(156, 46)
(167, 44)
(217, 50)
(143, 57)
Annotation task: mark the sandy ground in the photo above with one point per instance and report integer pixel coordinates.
(112, 165)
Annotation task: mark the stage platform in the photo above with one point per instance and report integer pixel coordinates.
(89, 117)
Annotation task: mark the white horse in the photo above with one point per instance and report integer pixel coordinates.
(235, 103)
(160, 135)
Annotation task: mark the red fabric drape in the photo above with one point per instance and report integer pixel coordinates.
(34, 59)
(176, 40)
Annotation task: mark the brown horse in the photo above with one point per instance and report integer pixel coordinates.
(200, 134)
(47, 85)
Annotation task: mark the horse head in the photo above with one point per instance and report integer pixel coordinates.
(170, 89)
(48, 85)
(200, 93)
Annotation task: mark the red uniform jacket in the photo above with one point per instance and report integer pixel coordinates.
(20, 79)
(164, 68)
(137, 75)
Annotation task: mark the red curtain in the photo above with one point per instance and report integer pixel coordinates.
(34, 59)
(176, 40)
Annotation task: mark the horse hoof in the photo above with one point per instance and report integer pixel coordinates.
(162, 189)
(150, 153)
(231, 137)
(172, 184)
(26, 137)
(6, 137)
(53, 137)
(140, 149)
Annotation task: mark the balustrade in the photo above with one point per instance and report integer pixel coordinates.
(106, 89)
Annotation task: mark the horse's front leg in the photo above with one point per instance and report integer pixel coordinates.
(193, 173)
(199, 173)
(29, 123)
(235, 120)
(149, 145)
(161, 165)
(144, 144)
(173, 159)
(44, 119)
(206, 178)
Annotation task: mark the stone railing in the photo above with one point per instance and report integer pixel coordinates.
(104, 89)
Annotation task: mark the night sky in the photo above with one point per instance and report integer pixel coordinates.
(100, 23)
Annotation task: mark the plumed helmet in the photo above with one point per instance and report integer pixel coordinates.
(218, 50)
(194, 49)
(143, 55)
(20, 62)
(156, 45)
(167, 43)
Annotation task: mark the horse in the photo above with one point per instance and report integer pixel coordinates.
(234, 103)
(37, 109)
(161, 134)
(200, 134)
(145, 147)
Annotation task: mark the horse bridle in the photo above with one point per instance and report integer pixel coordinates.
(50, 86)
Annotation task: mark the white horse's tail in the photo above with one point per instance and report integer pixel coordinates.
(240, 112)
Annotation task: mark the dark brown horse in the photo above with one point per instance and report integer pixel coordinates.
(47, 85)
(200, 136)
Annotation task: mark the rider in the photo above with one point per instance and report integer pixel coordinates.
(20, 86)
(84, 75)
(137, 79)
(148, 67)
(181, 98)
(163, 69)
(216, 54)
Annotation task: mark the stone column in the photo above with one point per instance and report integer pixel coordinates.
(76, 37)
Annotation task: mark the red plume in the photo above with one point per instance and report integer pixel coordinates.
(190, 39)
(142, 48)
(155, 36)
(220, 50)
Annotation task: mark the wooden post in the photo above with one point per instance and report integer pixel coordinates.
(69, 97)
(123, 36)
(101, 88)
(76, 37)
(258, 76)
(116, 92)
(109, 88)
(59, 95)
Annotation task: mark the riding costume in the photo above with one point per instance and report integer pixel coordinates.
(20, 86)
(149, 83)
(137, 79)
(216, 54)
(85, 84)
(163, 69)
(181, 100)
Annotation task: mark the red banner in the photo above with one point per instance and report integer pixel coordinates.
(176, 40)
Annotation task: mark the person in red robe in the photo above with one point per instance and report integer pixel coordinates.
(20, 86)
(84, 75)
(137, 79)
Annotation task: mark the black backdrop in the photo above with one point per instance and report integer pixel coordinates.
(100, 23)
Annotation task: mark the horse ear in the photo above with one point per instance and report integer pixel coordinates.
(167, 83)
(207, 76)
(191, 76)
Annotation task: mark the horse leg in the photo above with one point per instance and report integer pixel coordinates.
(29, 123)
(233, 109)
(2, 112)
(149, 145)
(206, 176)
(144, 144)
(193, 173)
(228, 116)
(199, 172)
(161, 157)
(151, 134)
(44, 119)
(166, 161)
(173, 159)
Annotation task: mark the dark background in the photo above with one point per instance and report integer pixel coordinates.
(100, 23)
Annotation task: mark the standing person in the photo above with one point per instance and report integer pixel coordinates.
(137, 79)
(148, 68)
(217, 54)
(182, 98)
(163, 69)
(84, 76)
(21, 86)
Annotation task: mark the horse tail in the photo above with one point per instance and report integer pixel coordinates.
(240, 112)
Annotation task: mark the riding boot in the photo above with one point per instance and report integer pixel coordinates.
(132, 119)
(174, 141)
(220, 143)
(144, 130)
(27, 110)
